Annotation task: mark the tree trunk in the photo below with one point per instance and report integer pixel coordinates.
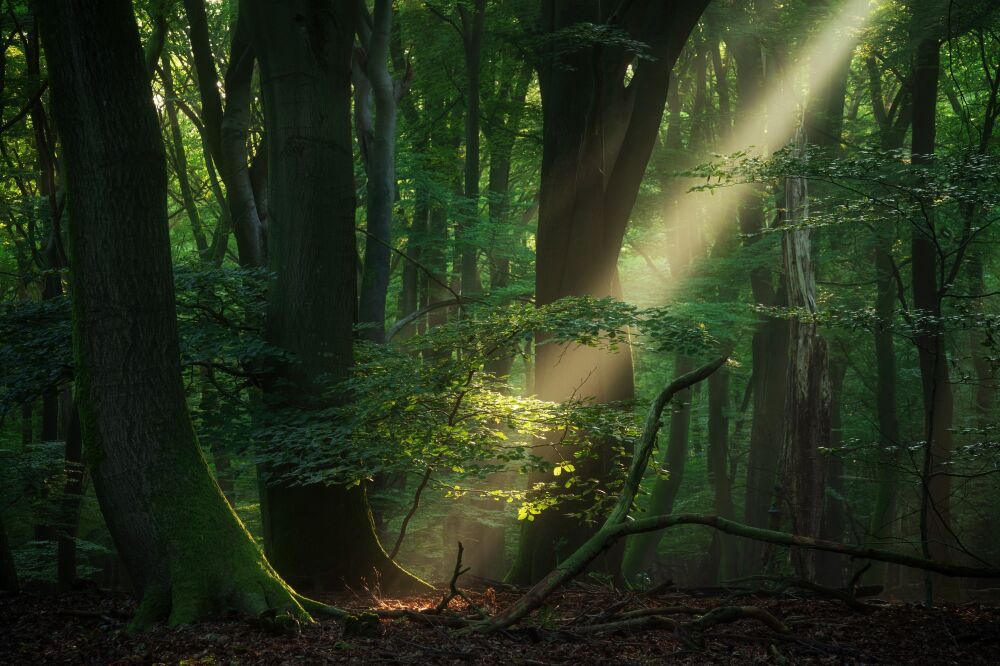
(590, 117)
(377, 138)
(226, 130)
(832, 568)
(769, 347)
(472, 36)
(938, 402)
(186, 551)
(72, 500)
(316, 535)
(8, 574)
(180, 157)
(807, 405)
(893, 123)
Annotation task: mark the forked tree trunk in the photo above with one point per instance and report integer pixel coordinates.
(316, 535)
(186, 551)
(590, 118)
(377, 139)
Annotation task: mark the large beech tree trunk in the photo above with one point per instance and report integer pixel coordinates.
(590, 118)
(317, 535)
(186, 551)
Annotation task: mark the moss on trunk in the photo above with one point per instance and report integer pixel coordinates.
(185, 550)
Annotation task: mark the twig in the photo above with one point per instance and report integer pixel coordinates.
(409, 514)
(453, 590)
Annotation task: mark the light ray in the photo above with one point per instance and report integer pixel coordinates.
(778, 112)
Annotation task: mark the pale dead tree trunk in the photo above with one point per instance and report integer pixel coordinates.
(807, 401)
(376, 129)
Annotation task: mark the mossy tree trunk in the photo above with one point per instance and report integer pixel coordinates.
(186, 551)
(317, 535)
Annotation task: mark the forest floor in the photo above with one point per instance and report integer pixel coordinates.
(88, 627)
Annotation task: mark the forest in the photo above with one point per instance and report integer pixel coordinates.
(499, 331)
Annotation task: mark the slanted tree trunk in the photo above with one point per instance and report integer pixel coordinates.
(316, 535)
(807, 432)
(641, 550)
(179, 156)
(186, 551)
(597, 136)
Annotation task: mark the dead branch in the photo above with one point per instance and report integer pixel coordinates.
(454, 591)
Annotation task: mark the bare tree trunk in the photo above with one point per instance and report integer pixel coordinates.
(180, 157)
(70, 504)
(226, 130)
(769, 350)
(377, 139)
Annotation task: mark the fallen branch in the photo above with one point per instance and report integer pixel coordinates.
(654, 523)
(608, 534)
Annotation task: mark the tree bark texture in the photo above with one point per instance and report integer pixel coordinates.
(807, 432)
(186, 551)
(317, 536)
(597, 136)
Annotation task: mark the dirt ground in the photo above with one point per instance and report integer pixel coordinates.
(89, 627)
